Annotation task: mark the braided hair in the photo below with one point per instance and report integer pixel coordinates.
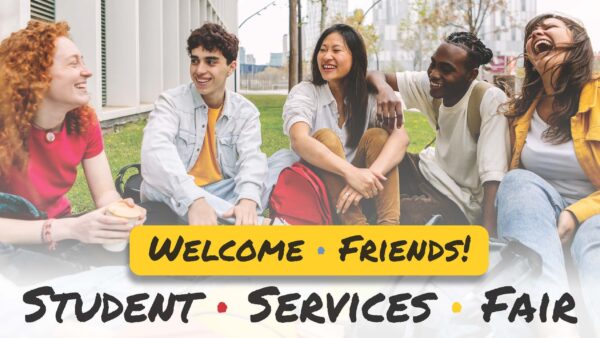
(478, 54)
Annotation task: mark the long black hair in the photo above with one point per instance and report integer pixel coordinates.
(574, 72)
(354, 84)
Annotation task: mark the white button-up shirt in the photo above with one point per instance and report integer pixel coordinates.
(316, 106)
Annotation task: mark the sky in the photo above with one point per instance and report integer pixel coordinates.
(262, 34)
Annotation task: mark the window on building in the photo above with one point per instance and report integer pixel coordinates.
(389, 16)
(43, 10)
(390, 33)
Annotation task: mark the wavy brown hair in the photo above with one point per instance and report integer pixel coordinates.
(25, 60)
(572, 75)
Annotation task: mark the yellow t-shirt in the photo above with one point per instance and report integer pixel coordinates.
(206, 169)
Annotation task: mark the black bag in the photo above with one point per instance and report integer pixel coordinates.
(129, 187)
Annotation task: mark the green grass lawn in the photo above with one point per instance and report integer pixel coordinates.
(123, 146)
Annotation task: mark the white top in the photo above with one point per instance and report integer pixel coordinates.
(316, 106)
(458, 166)
(555, 163)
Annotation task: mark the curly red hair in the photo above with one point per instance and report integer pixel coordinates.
(25, 60)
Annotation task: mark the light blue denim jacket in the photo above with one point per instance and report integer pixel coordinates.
(174, 136)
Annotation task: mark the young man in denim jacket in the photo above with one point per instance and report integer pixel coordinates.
(201, 149)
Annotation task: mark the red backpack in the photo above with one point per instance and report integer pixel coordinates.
(300, 197)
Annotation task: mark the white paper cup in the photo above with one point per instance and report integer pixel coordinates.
(122, 210)
(115, 247)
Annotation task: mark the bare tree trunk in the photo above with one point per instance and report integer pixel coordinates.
(470, 19)
(300, 51)
(418, 61)
(323, 15)
(293, 62)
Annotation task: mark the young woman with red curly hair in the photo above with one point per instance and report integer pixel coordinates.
(47, 130)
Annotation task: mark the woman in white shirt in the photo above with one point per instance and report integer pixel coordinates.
(331, 120)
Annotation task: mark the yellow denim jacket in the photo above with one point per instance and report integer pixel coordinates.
(585, 129)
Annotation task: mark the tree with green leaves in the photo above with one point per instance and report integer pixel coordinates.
(368, 32)
(429, 21)
(420, 31)
(324, 10)
(468, 15)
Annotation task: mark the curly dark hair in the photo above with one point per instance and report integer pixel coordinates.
(214, 37)
(26, 57)
(571, 76)
(478, 54)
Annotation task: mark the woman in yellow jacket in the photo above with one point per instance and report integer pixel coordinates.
(551, 197)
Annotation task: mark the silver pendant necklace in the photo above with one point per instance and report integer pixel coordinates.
(50, 133)
(50, 137)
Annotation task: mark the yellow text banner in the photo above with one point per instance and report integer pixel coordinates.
(309, 250)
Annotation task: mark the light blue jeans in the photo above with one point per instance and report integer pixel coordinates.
(528, 209)
(222, 195)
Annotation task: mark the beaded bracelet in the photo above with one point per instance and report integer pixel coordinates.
(47, 234)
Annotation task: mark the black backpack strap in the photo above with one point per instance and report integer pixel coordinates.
(120, 180)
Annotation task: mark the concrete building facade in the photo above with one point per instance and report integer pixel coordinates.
(311, 18)
(502, 32)
(135, 48)
(276, 60)
(387, 17)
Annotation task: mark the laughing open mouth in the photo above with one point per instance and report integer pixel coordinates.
(542, 46)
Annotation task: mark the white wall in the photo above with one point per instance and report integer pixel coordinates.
(122, 53)
(194, 14)
(203, 14)
(151, 50)
(185, 27)
(171, 44)
(85, 32)
(14, 15)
